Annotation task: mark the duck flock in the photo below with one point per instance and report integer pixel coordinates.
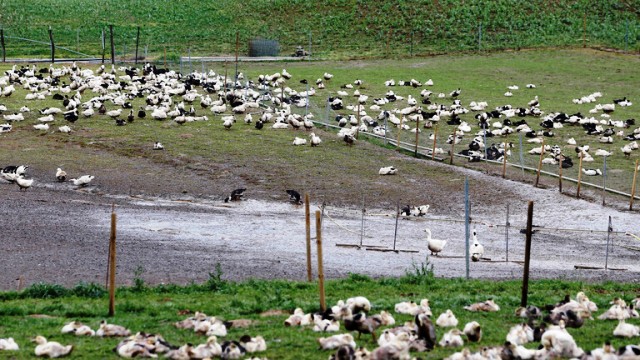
(271, 100)
(549, 327)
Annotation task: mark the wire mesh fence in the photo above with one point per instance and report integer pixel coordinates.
(157, 42)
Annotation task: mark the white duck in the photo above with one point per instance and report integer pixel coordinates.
(83, 180)
(447, 319)
(476, 249)
(50, 349)
(434, 245)
(8, 344)
(23, 183)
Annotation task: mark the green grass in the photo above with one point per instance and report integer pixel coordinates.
(560, 76)
(155, 309)
(352, 29)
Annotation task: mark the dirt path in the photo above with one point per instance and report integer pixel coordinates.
(57, 234)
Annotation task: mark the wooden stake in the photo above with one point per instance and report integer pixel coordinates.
(435, 136)
(579, 174)
(453, 143)
(137, 45)
(633, 185)
(113, 47)
(323, 305)
(504, 160)
(53, 46)
(399, 131)
(540, 163)
(112, 264)
(415, 151)
(4, 52)
(527, 256)
(165, 56)
(561, 157)
(307, 219)
(358, 128)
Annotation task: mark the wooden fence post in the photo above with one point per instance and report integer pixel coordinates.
(527, 256)
(4, 51)
(633, 186)
(137, 45)
(53, 46)
(307, 218)
(112, 264)
(415, 152)
(113, 48)
(104, 45)
(579, 175)
(399, 131)
(323, 305)
(540, 163)
(435, 136)
(561, 158)
(504, 160)
(453, 143)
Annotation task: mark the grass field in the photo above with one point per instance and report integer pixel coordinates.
(141, 308)
(560, 76)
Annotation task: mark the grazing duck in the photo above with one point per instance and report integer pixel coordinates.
(389, 170)
(23, 183)
(473, 331)
(626, 330)
(349, 139)
(130, 117)
(520, 334)
(426, 331)
(361, 323)
(297, 141)
(335, 341)
(592, 172)
(447, 319)
(476, 250)
(294, 196)
(232, 350)
(315, 140)
(253, 344)
(434, 245)
(158, 146)
(12, 172)
(77, 328)
(111, 330)
(452, 338)
(236, 195)
(129, 348)
(114, 113)
(488, 306)
(43, 127)
(64, 129)
(50, 349)
(210, 349)
(83, 180)
(557, 341)
(8, 344)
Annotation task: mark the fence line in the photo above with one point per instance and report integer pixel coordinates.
(409, 147)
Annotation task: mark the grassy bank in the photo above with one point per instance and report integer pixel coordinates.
(44, 309)
(351, 29)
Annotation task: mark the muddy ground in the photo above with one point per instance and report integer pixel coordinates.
(173, 226)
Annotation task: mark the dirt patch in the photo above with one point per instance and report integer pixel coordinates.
(174, 228)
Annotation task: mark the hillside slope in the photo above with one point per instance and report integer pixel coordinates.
(345, 29)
